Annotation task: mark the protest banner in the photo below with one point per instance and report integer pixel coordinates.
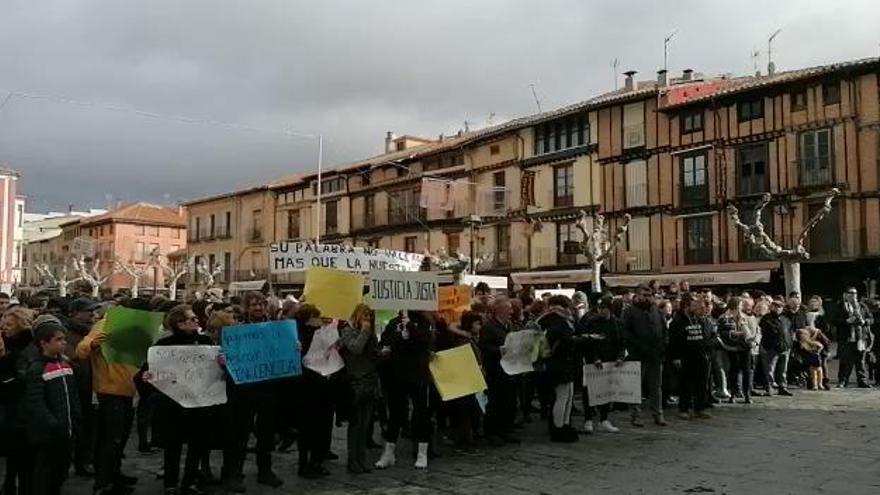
(334, 292)
(261, 351)
(287, 257)
(518, 351)
(188, 374)
(454, 300)
(613, 383)
(456, 373)
(130, 332)
(416, 291)
(323, 356)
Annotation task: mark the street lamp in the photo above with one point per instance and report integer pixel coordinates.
(472, 221)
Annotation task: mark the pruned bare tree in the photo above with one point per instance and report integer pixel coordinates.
(598, 242)
(789, 257)
(173, 273)
(92, 274)
(62, 283)
(135, 271)
(210, 273)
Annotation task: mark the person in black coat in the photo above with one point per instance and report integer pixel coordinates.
(690, 347)
(776, 344)
(15, 331)
(603, 344)
(501, 408)
(173, 425)
(561, 365)
(854, 338)
(81, 318)
(644, 332)
(49, 411)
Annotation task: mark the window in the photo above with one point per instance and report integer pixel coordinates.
(831, 93)
(330, 217)
(401, 145)
(499, 196)
(228, 224)
(138, 254)
(698, 240)
(443, 161)
(213, 227)
(401, 171)
(502, 245)
(141, 230)
(561, 134)
(111, 229)
(563, 186)
(824, 239)
(799, 100)
(403, 206)
(196, 261)
(815, 157)
(752, 173)
(293, 224)
(198, 233)
(748, 252)
(365, 179)
(331, 185)
(748, 110)
(494, 149)
(565, 233)
(153, 231)
(20, 212)
(692, 121)
(212, 261)
(256, 225)
(694, 186)
(453, 243)
(372, 243)
(409, 244)
(369, 210)
(175, 233)
(636, 180)
(227, 266)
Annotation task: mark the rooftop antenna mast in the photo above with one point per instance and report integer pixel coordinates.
(755, 54)
(614, 64)
(535, 95)
(666, 42)
(770, 67)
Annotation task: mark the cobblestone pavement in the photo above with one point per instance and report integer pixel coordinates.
(815, 442)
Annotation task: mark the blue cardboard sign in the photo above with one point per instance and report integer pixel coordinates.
(259, 352)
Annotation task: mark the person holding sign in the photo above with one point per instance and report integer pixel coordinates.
(316, 421)
(501, 409)
(604, 345)
(409, 380)
(172, 424)
(360, 350)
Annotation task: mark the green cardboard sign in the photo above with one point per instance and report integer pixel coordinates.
(130, 332)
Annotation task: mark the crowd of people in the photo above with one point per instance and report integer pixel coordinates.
(63, 403)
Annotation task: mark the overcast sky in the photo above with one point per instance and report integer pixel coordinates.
(349, 70)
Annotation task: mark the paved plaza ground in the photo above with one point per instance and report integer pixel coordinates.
(814, 442)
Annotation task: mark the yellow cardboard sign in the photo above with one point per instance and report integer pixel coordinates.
(454, 300)
(334, 292)
(456, 373)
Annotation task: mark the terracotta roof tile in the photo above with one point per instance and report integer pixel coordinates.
(141, 213)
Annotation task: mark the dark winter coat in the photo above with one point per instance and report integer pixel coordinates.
(409, 358)
(776, 333)
(49, 410)
(644, 333)
(607, 345)
(12, 384)
(492, 337)
(563, 361)
(690, 337)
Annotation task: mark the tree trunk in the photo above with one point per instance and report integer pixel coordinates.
(792, 271)
(597, 280)
(62, 289)
(172, 290)
(96, 290)
(134, 288)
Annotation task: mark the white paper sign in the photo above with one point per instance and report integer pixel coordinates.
(415, 291)
(614, 383)
(188, 374)
(287, 257)
(323, 357)
(517, 352)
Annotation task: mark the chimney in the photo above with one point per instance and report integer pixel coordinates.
(389, 138)
(687, 74)
(629, 84)
(771, 69)
(662, 78)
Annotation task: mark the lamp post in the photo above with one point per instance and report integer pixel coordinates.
(472, 221)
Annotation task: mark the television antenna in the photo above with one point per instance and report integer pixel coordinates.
(666, 42)
(614, 64)
(770, 48)
(535, 95)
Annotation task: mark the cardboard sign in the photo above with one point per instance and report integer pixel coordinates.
(262, 351)
(334, 292)
(456, 373)
(188, 374)
(130, 332)
(518, 351)
(323, 356)
(415, 291)
(614, 383)
(287, 257)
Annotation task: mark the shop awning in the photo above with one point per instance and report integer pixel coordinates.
(552, 277)
(695, 279)
(246, 286)
(493, 282)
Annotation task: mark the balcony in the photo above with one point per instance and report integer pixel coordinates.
(406, 214)
(255, 234)
(695, 195)
(815, 171)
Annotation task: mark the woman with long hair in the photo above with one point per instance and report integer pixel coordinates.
(360, 350)
(739, 334)
(15, 338)
(316, 421)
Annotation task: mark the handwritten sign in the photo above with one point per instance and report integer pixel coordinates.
(130, 332)
(323, 356)
(456, 373)
(614, 383)
(286, 257)
(188, 374)
(334, 292)
(518, 351)
(261, 351)
(415, 291)
(454, 300)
